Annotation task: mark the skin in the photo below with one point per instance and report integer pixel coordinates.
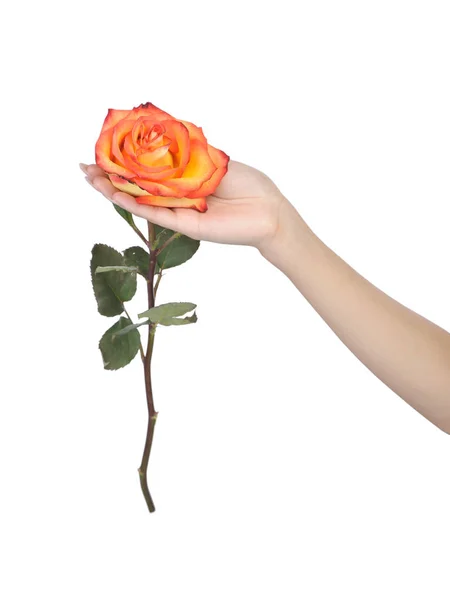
(406, 351)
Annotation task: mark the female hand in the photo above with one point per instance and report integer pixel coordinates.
(243, 210)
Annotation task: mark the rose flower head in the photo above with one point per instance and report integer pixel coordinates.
(161, 160)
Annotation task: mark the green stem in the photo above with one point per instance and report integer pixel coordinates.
(140, 234)
(152, 414)
(141, 350)
(157, 282)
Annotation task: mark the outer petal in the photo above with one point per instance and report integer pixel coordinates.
(159, 189)
(142, 196)
(118, 134)
(148, 110)
(113, 117)
(199, 169)
(103, 156)
(221, 160)
(195, 133)
(126, 186)
(197, 203)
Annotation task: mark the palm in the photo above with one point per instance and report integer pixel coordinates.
(242, 210)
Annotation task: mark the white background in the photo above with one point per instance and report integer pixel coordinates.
(282, 468)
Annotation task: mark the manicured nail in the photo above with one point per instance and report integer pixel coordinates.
(84, 167)
(90, 182)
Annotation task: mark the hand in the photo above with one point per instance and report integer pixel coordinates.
(243, 210)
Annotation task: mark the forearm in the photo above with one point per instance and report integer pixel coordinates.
(409, 353)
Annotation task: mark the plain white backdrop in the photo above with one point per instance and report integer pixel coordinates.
(281, 467)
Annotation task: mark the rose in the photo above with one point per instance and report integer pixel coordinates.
(161, 160)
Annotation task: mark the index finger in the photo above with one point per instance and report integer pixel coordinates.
(93, 171)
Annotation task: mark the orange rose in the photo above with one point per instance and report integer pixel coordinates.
(162, 161)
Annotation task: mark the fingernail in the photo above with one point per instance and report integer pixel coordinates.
(90, 182)
(84, 167)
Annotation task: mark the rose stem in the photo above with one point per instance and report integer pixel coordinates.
(152, 414)
(141, 350)
(157, 281)
(139, 232)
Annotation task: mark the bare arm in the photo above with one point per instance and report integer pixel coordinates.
(409, 353)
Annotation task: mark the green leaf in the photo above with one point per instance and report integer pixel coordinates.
(178, 251)
(126, 215)
(178, 321)
(117, 351)
(113, 288)
(129, 219)
(125, 330)
(164, 311)
(121, 268)
(140, 258)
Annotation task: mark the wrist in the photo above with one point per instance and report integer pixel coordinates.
(291, 231)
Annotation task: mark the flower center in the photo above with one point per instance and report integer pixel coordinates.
(150, 143)
(147, 138)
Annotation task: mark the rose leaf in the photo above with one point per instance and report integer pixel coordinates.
(119, 350)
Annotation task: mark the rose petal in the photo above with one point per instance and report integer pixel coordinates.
(126, 186)
(103, 155)
(148, 110)
(178, 133)
(156, 188)
(175, 168)
(119, 132)
(113, 117)
(180, 147)
(118, 135)
(131, 162)
(151, 176)
(199, 169)
(144, 124)
(197, 203)
(195, 133)
(156, 156)
(156, 165)
(220, 160)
